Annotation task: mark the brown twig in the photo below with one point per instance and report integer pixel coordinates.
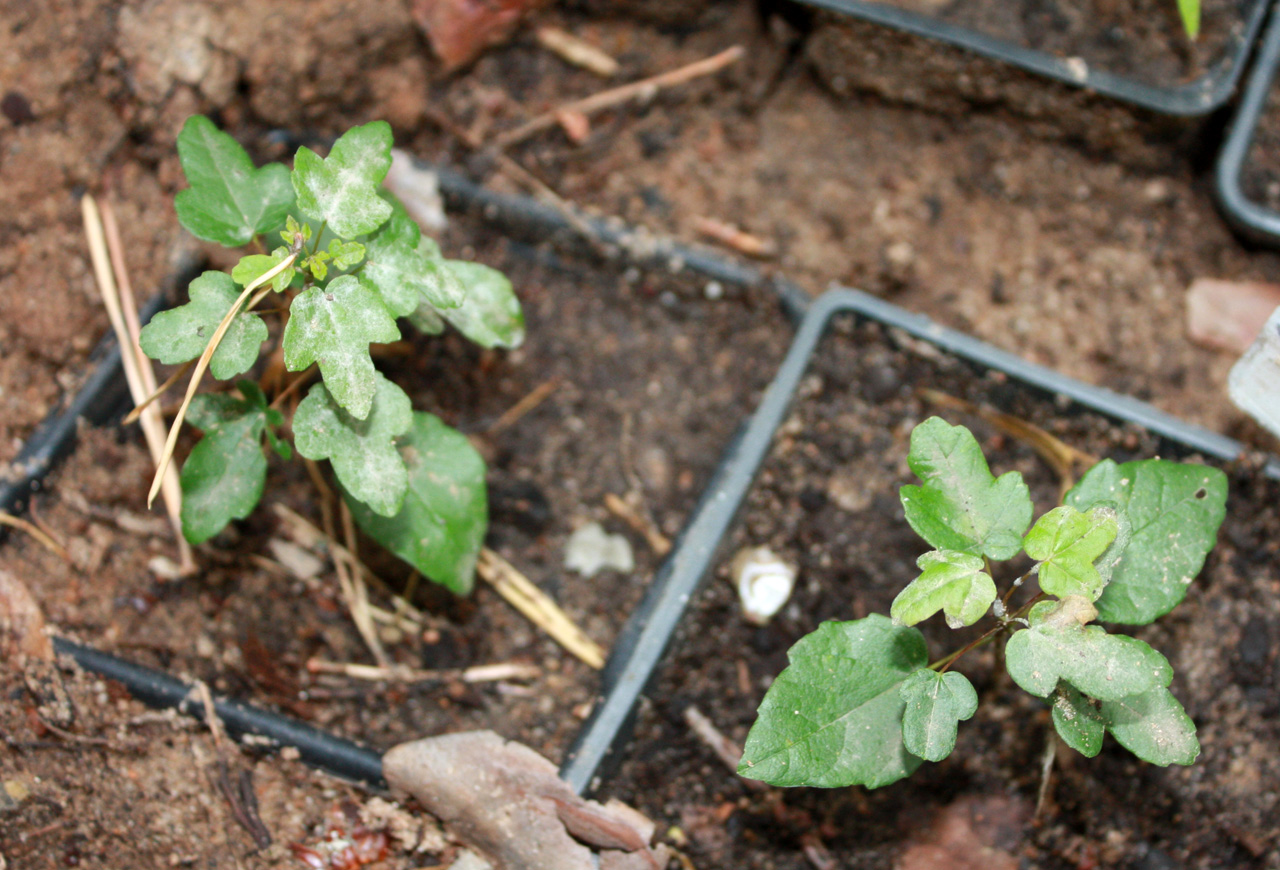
(643, 90)
(535, 397)
(575, 50)
(43, 538)
(657, 541)
(521, 594)
(705, 730)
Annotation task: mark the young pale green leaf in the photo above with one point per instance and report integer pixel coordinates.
(181, 334)
(833, 717)
(961, 506)
(952, 582)
(252, 266)
(1058, 647)
(1189, 12)
(1154, 727)
(345, 254)
(441, 526)
(333, 326)
(1078, 721)
(1173, 511)
(342, 189)
(229, 201)
(490, 314)
(406, 268)
(1066, 543)
(935, 705)
(222, 479)
(362, 451)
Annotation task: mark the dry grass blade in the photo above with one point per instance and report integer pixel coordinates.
(158, 392)
(44, 538)
(401, 674)
(537, 607)
(577, 51)
(203, 363)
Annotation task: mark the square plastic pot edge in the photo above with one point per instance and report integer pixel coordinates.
(1249, 218)
(1189, 99)
(641, 646)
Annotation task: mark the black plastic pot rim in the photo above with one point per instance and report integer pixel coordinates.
(1189, 99)
(1250, 219)
(644, 639)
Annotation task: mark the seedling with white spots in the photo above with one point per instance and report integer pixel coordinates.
(860, 703)
(351, 265)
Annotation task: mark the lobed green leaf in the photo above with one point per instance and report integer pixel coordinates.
(181, 334)
(833, 717)
(952, 582)
(1173, 511)
(1066, 543)
(223, 478)
(407, 269)
(935, 705)
(961, 506)
(362, 451)
(440, 528)
(1152, 725)
(254, 266)
(333, 326)
(229, 201)
(490, 314)
(1058, 647)
(342, 189)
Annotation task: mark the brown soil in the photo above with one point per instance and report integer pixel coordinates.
(988, 209)
(1260, 175)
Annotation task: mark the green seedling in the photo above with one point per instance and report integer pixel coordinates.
(860, 702)
(351, 263)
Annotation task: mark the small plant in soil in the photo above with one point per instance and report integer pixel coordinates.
(347, 264)
(860, 702)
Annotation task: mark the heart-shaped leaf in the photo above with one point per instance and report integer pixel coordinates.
(1066, 543)
(952, 582)
(342, 189)
(935, 705)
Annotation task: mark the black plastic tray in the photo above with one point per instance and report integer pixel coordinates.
(1251, 219)
(641, 645)
(1199, 96)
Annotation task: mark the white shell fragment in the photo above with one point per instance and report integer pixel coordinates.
(1254, 384)
(418, 189)
(591, 550)
(764, 582)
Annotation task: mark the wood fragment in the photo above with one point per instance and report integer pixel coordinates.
(527, 598)
(642, 90)
(41, 537)
(735, 237)
(657, 541)
(533, 399)
(491, 673)
(705, 730)
(577, 51)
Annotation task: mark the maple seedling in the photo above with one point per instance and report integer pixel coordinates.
(860, 702)
(352, 263)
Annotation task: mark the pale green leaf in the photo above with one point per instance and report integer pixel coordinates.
(1173, 511)
(345, 254)
(222, 480)
(362, 451)
(253, 266)
(333, 326)
(1066, 543)
(1103, 666)
(229, 201)
(935, 705)
(441, 526)
(425, 319)
(1154, 727)
(834, 716)
(407, 269)
(961, 506)
(342, 189)
(955, 583)
(1077, 720)
(490, 314)
(1189, 12)
(181, 334)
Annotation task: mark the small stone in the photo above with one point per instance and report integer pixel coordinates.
(764, 583)
(1228, 315)
(591, 550)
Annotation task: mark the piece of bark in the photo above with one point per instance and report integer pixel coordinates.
(460, 30)
(508, 802)
(25, 642)
(1228, 315)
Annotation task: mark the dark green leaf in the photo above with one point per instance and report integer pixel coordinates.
(1173, 511)
(1058, 647)
(342, 189)
(333, 326)
(961, 506)
(222, 479)
(229, 201)
(441, 526)
(1066, 543)
(834, 716)
(182, 333)
(1154, 727)
(935, 705)
(1078, 721)
(952, 582)
(362, 451)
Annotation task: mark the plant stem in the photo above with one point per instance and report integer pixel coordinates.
(942, 664)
